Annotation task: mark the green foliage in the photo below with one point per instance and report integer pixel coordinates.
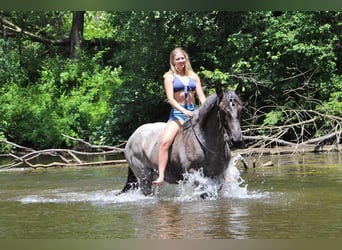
(88, 107)
(136, 102)
(27, 118)
(214, 76)
(273, 118)
(286, 60)
(333, 105)
(293, 58)
(286, 51)
(147, 38)
(4, 147)
(72, 98)
(97, 26)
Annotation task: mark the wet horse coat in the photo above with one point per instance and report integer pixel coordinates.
(203, 142)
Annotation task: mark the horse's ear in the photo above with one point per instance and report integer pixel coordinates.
(219, 91)
(238, 89)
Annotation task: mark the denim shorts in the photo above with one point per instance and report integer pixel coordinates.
(175, 114)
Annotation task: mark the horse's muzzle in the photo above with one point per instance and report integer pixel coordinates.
(237, 143)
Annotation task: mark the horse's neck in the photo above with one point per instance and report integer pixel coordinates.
(209, 130)
(205, 125)
(210, 125)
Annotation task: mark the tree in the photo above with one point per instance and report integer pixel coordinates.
(98, 75)
(50, 94)
(76, 33)
(290, 58)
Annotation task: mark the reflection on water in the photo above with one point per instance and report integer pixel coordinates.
(298, 197)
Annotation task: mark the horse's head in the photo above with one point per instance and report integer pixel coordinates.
(230, 106)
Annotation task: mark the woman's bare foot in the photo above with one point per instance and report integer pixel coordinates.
(159, 181)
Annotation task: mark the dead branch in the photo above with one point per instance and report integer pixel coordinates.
(259, 140)
(299, 149)
(18, 146)
(62, 157)
(324, 138)
(264, 139)
(81, 164)
(14, 28)
(97, 147)
(296, 130)
(280, 142)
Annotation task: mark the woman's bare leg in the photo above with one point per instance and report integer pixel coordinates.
(170, 132)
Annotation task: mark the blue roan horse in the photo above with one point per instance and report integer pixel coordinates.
(203, 142)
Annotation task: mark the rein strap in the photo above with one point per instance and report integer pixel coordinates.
(224, 133)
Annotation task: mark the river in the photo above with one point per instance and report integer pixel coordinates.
(299, 197)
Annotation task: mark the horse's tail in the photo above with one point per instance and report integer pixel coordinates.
(131, 182)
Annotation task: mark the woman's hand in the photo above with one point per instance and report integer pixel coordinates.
(188, 113)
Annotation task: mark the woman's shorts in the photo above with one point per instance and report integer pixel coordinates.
(175, 114)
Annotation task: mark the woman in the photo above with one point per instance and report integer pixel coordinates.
(181, 84)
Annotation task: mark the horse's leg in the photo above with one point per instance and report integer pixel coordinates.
(146, 182)
(143, 174)
(131, 182)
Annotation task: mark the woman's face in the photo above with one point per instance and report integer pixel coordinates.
(179, 61)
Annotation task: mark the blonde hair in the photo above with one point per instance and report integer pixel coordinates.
(188, 69)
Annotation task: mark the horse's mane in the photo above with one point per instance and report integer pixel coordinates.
(201, 113)
(209, 103)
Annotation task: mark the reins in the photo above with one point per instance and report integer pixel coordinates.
(224, 133)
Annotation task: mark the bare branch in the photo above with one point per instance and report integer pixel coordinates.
(12, 27)
(17, 146)
(101, 147)
(329, 127)
(67, 157)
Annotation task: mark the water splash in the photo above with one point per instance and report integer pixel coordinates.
(234, 186)
(93, 197)
(194, 187)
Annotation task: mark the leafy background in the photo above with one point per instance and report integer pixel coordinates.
(288, 61)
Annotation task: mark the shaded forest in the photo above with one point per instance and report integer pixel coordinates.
(97, 75)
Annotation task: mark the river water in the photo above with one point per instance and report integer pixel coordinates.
(299, 197)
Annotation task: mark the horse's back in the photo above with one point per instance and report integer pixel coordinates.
(146, 132)
(143, 144)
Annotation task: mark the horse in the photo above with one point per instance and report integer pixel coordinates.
(203, 143)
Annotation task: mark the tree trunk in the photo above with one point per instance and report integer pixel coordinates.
(76, 34)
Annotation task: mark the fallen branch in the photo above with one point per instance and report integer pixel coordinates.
(65, 157)
(265, 145)
(280, 142)
(264, 139)
(97, 147)
(333, 136)
(289, 150)
(18, 146)
(81, 164)
(99, 154)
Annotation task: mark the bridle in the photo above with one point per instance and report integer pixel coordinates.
(223, 131)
